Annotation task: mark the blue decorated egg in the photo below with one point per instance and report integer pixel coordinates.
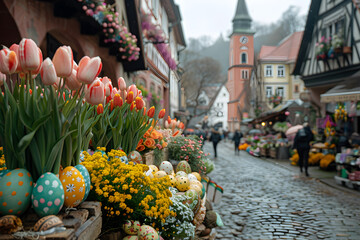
(15, 192)
(85, 173)
(74, 186)
(48, 195)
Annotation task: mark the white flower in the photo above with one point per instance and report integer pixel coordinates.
(78, 179)
(69, 173)
(81, 189)
(70, 188)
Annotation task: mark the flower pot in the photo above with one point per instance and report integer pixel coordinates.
(338, 50)
(347, 49)
(148, 158)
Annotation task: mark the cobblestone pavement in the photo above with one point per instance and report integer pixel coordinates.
(262, 200)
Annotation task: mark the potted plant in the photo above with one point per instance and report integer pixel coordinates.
(337, 43)
(322, 48)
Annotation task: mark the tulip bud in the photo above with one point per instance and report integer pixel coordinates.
(169, 120)
(88, 69)
(161, 113)
(72, 82)
(95, 93)
(2, 79)
(48, 73)
(181, 125)
(108, 85)
(111, 105)
(63, 61)
(100, 109)
(118, 102)
(8, 61)
(132, 106)
(130, 97)
(29, 55)
(151, 112)
(139, 103)
(121, 84)
(15, 48)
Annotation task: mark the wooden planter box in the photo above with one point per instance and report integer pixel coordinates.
(83, 224)
(264, 152)
(273, 152)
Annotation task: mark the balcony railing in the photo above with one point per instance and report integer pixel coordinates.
(152, 53)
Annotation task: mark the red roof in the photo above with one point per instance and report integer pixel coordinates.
(286, 51)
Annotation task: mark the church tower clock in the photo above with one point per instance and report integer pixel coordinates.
(241, 63)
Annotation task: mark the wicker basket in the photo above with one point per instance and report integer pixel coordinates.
(148, 158)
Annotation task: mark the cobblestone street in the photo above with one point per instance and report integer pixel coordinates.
(262, 200)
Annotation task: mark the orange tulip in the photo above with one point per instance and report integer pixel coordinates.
(132, 106)
(89, 69)
(181, 125)
(139, 103)
(100, 109)
(8, 61)
(63, 61)
(130, 97)
(30, 55)
(151, 112)
(121, 84)
(161, 113)
(95, 93)
(169, 120)
(144, 113)
(133, 88)
(149, 143)
(15, 48)
(48, 72)
(111, 105)
(118, 102)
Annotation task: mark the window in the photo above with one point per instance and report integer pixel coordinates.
(244, 74)
(152, 87)
(268, 92)
(268, 71)
(296, 88)
(280, 91)
(281, 71)
(243, 57)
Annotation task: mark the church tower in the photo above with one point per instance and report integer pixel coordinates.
(241, 63)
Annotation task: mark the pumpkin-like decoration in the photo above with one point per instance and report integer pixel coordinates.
(47, 223)
(10, 224)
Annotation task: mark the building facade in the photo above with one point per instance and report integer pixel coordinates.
(218, 114)
(241, 63)
(275, 66)
(329, 57)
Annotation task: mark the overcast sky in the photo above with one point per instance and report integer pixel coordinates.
(212, 17)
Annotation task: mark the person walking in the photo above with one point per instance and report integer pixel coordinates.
(215, 138)
(237, 138)
(302, 144)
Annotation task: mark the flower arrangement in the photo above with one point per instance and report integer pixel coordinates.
(337, 42)
(188, 149)
(126, 192)
(340, 112)
(151, 140)
(275, 100)
(322, 48)
(175, 125)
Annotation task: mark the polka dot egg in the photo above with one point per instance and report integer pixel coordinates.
(167, 167)
(153, 168)
(192, 177)
(74, 186)
(15, 192)
(147, 233)
(160, 174)
(48, 195)
(180, 174)
(182, 184)
(85, 173)
(131, 227)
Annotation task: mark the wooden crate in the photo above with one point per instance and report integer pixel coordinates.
(84, 224)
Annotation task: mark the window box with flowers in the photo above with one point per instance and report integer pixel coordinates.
(275, 100)
(337, 43)
(322, 48)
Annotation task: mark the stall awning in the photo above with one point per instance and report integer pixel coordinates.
(348, 91)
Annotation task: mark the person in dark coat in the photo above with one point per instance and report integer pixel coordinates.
(302, 144)
(215, 138)
(237, 138)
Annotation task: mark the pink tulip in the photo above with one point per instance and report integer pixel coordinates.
(72, 82)
(8, 61)
(95, 92)
(48, 73)
(108, 85)
(2, 79)
(30, 56)
(15, 48)
(63, 61)
(121, 84)
(113, 92)
(89, 69)
(37, 70)
(75, 66)
(133, 89)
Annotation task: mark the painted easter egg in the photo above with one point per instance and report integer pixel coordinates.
(173, 180)
(167, 167)
(85, 173)
(160, 174)
(192, 177)
(193, 197)
(183, 166)
(180, 174)
(135, 157)
(147, 233)
(47, 223)
(74, 186)
(48, 195)
(131, 227)
(183, 184)
(15, 192)
(131, 238)
(197, 175)
(153, 168)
